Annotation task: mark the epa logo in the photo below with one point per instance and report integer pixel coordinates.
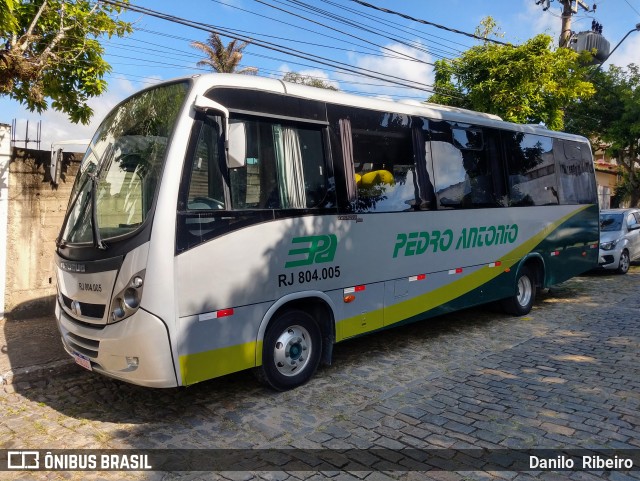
(315, 249)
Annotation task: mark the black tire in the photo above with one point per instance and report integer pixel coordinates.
(290, 351)
(625, 263)
(521, 303)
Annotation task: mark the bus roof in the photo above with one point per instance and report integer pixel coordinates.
(204, 82)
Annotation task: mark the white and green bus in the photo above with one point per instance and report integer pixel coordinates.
(226, 222)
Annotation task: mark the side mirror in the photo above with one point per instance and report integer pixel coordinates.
(236, 145)
(204, 104)
(234, 134)
(57, 150)
(56, 165)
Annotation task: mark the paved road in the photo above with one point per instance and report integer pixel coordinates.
(566, 376)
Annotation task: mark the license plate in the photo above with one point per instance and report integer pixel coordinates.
(82, 361)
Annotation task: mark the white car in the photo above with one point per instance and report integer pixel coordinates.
(619, 238)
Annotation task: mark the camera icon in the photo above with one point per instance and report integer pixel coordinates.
(20, 460)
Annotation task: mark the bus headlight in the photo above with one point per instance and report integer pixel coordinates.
(127, 301)
(131, 298)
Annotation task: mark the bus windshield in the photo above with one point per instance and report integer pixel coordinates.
(119, 174)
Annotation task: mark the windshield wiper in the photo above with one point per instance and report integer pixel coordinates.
(94, 176)
(60, 242)
(97, 240)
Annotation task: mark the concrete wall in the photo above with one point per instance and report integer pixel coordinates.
(36, 210)
(5, 158)
(607, 180)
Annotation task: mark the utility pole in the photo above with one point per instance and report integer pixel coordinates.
(569, 8)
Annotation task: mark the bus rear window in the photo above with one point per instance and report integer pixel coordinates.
(575, 174)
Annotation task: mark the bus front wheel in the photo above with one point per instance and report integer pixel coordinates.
(522, 302)
(291, 350)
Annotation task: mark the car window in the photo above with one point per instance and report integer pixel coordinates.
(631, 220)
(610, 222)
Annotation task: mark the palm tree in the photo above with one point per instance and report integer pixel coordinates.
(223, 59)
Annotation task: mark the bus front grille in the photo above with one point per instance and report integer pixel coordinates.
(95, 311)
(83, 345)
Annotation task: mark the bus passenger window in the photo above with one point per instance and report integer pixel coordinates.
(531, 169)
(461, 167)
(575, 172)
(384, 170)
(284, 168)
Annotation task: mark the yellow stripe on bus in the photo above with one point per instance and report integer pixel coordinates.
(412, 307)
(218, 362)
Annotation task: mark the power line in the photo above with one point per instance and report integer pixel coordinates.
(632, 7)
(190, 67)
(252, 54)
(304, 42)
(426, 22)
(289, 24)
(339, 31)
(400, 26)
(341, 66)
(359, 25)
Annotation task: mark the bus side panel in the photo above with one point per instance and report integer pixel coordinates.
(464, 286)
(572, 249)
(364, 313)
(212, 346)
(374, 258)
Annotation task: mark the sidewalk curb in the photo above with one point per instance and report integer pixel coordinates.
(25, 376)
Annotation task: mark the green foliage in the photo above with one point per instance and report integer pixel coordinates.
(612, 118)
(488, 27)
(221, 58)
(7, 18)
(529, 83)
(297, 78)
(49, 49)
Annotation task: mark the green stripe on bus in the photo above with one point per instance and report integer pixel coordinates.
(401, 311)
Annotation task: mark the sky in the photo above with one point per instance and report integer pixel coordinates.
(386, 45)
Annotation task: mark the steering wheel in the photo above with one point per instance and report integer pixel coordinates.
(205, 203)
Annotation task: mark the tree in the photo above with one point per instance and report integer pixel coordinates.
(529, 83)
(612, 119)
(49, 49)
(298, 78)
(223, 59)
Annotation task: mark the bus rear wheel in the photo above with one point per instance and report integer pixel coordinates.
(522, 302)
(290, 350)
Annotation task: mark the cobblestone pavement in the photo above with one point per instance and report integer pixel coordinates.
(565, 376)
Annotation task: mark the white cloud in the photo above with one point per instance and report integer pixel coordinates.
(535, 21)
(405, 70)
(628, 52)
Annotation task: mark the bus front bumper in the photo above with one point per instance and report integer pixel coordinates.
(134, 350)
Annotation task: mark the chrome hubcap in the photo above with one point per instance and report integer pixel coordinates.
(525, 291)
(292, 350)
(624, 262)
